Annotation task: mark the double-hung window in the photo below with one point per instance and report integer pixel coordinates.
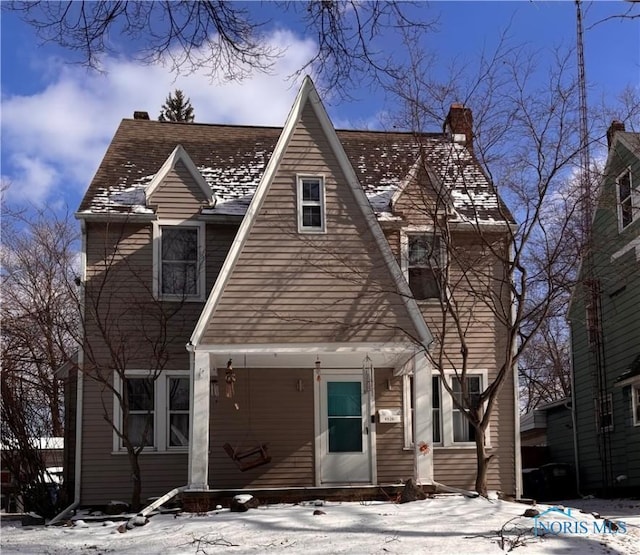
(628, 200)
(158, 410)
(436, 407)
(424, 265)
(179, 262)
(178, 407)
(139, 395)
(311, 206)
(463, 430)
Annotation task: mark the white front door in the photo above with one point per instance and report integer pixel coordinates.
(344, 430)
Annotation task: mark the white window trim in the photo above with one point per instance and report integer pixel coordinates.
(405, 233)
(160, 410)
(598, 404)
(157, 260)
(300, 203)
(446, 412)
(634, 196)
(635, 402)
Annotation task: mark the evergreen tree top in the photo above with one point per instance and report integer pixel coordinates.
(177, 108)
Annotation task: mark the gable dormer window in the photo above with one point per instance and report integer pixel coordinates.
(628, 200)
(424, 265)
(179, 261)
(311, 210)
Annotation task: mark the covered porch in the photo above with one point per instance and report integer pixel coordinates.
(307, 415)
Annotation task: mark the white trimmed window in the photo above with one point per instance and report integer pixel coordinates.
(436, 407)
(179, 260)
(450, 426)
(311, 204)
(422, 263)
(463, 430)
(158, 410)
(635, 403)
(628, 200)
(604, 412)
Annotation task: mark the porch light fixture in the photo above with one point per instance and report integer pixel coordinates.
(230, 379)
(299, 386)
(367, 374)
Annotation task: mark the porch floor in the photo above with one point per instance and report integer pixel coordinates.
(201, 501)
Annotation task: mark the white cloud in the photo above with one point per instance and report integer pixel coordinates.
(54, 140)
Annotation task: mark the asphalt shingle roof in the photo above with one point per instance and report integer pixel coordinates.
(232, 159)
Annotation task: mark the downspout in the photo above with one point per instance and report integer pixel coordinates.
(79, 385)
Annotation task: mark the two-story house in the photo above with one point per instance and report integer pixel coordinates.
(260, 300)
(605, 328)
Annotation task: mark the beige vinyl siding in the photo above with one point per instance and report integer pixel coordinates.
(395, 464)
(291, 287)
(474, 273)
(119, 274)
(107, 476)
(178, 197)
(269, 410)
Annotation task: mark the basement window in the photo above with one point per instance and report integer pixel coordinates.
(311, 204)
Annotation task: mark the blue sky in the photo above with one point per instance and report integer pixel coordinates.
(58, 117)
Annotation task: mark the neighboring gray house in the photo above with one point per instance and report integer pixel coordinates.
(605, 326)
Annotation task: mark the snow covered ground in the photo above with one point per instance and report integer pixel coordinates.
(449, 524)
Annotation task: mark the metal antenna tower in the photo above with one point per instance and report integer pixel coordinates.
(592, 289)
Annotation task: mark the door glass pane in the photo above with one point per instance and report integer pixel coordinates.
(344, 404)
(344, 398)
(345, 435)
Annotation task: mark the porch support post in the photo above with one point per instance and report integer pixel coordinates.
(423, 420)
(199, 422)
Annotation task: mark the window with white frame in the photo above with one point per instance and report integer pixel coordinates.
(436, 407)
(604, 412)
(139, 396)
(628, 200)
(635, 401)
(179, 252)
(424, 265)
(463, 430)
(158, 416)
(311, 209)
(178, 407)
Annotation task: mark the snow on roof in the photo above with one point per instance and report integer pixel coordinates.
(232, 160)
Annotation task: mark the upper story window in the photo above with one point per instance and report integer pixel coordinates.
(179, 265)
(628, 200)
(311, 209)
(424, 265)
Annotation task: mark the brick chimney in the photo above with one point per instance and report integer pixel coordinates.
(459, 125)
(140, 115)
(613, 129)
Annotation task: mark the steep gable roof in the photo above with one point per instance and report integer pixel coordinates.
(232, 159)
(308, 97)
(179, 155)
